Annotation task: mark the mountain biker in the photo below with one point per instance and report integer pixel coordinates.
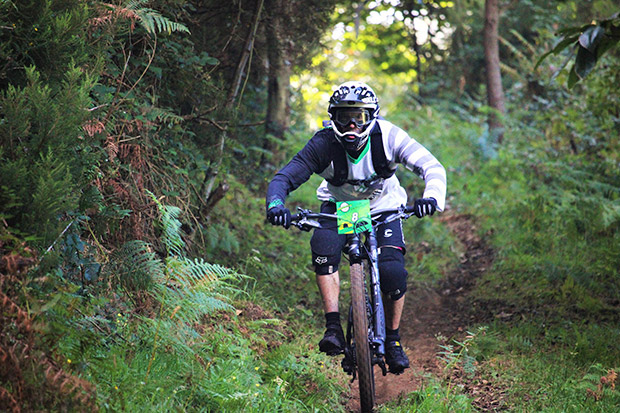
(357, 156)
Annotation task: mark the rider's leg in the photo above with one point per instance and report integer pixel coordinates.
(393, 286)
(329, 286)
(333, 341)
(326, 246)
(393, 311)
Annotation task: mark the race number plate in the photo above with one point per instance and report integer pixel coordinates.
(353, 217)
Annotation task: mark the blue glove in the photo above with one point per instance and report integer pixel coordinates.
(424, 206)
(277, 214)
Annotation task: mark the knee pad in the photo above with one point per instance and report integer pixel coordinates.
(392, 272)
(326, 245)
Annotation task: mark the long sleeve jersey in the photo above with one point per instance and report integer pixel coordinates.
(362, 182)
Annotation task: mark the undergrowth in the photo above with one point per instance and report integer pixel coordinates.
(192, 339)
(551, 295)
(564, 366)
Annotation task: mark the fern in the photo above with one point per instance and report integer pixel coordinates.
(164, 115)
(136, 266)
(152, 21)
(171, 226)
(600, 383)
(193, 287)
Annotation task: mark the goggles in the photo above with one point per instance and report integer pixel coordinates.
(358, 116)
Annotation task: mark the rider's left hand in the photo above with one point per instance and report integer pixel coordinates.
(424, 206)
(279, 215)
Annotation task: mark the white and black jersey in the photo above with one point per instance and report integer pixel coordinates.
(363, 179)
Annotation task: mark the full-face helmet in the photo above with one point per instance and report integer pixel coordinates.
(353, 110)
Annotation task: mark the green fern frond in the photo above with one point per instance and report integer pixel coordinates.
(152, 21)
(136, 265)
(171, 227)
(192, 287)
(201, 270)
(165, 115)
(171, 236)
(198, 303)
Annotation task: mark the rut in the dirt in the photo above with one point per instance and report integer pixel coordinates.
(432, 312)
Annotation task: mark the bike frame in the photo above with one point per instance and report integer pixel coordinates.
(358, 252)
(366, 348)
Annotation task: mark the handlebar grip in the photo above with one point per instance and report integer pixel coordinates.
(295, 218)
(409, 209)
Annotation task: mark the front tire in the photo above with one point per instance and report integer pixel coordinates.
(360, 334)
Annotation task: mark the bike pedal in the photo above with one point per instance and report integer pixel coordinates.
(348, 363)
(383, 368)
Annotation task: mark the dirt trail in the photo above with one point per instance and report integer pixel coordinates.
(431, 312)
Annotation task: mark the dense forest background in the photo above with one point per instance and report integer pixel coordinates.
(136, 142)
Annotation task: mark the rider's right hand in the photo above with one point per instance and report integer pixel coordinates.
(424, 206)
(279, 215)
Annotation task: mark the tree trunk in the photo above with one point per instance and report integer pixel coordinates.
(245, 57)
(495, 92)
(210, 178)
(278, 85)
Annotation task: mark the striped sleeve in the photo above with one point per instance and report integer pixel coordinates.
(417, 158)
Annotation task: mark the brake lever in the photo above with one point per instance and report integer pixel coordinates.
(307, 224)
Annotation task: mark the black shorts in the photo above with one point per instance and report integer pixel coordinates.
(327, 244)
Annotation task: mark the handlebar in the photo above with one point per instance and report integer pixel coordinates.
(305, 219)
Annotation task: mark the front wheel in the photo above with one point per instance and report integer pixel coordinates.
(360, 334)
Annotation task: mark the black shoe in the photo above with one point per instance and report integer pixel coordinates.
(395, 357)
(333, 341)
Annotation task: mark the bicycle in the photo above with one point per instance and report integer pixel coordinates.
(365, 334)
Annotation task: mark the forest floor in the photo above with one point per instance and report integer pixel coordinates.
(444, 312)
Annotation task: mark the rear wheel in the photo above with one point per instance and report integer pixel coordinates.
(360, 334)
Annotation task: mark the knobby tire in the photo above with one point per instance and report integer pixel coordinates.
(365, 372)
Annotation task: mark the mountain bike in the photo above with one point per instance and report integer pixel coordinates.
(365, 333)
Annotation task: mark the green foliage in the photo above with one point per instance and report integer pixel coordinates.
(557, 239)
(188, 288)
(135, 266)
(41, 137)
(551, 366)
(600, 383)
(458, 354)
(46, 34)
(431, 397)
(152, 21)
(219, 360)
(591, 42)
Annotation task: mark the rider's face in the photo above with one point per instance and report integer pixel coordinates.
(351, 120)
(352, 127)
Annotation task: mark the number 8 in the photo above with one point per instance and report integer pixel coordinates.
(354, 217)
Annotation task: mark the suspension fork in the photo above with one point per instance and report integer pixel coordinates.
(377, 336)
(377, 300)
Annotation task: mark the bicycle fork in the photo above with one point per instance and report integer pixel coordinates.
(376, 334)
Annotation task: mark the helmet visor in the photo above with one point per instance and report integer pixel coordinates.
(358, 116)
